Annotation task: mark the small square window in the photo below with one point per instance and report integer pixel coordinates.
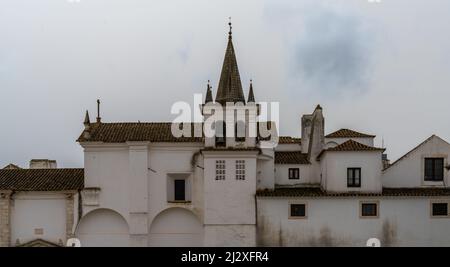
(369, 209)
(298, 210)
(353, 177)
(439, 209)
(294, 173)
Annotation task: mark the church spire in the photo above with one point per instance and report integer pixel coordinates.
(208, 97)
(251, 96)
(230, 87)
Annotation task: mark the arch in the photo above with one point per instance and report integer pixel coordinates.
(330, 144)
(103, 228)
(176, 227)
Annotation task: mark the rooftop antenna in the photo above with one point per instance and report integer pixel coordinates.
(99, 119)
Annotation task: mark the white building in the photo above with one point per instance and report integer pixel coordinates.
(142, 186)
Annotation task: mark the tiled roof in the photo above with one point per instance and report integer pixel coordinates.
(291, 157)
(42, 179)
(388, 192)
(135, 131)
(347, 133)
(351, 145)
(122, 132)
(11, 166)
(288, 140)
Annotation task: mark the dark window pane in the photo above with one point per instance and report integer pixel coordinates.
(434, 169)
(179, 189)
(294, 173)
(428, 169)
(439, 169)
(298, 210)
(353, 177)
(369, 209)
(440, 209)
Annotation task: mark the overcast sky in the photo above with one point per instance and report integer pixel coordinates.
(380, 68)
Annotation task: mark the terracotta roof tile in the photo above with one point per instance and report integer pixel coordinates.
(388, 192)
(122, 132)
(291, 157)
(347, 133)
(41, 179)
(289, 140)
(350, 145)
(135, 131)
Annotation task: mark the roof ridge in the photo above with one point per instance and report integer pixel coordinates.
(345, 133)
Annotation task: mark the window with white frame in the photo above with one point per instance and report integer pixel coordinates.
(220, 169)
(240, 169)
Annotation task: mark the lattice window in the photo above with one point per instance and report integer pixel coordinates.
(220, 169)
(240, 169)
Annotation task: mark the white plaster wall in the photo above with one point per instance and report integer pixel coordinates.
(368, 141)
(230, 201)
(103, 228)
(265, 169)
(107, 166)
(230, 235)
(176, 227)
(36, 210)
(409, 172)
(282, 174)
(334, 170)
(336, 222)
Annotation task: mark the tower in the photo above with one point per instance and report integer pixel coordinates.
(230, 160)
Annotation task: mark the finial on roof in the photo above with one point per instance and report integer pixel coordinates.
(99, 119)
(318, 106)
(208, 97)
(87, 121)
(251, 96)
(229, 24)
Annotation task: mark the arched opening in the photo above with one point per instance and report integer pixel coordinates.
(103, 228)
(176, 227)
(330, 144)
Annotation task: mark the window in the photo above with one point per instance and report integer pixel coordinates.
(220, 169)
(434, 169)
(439, 209)
(180, 190)
(297, 211)
(240, 169)
(369, 209)
(294, 173)
(221, 133)
(354, 177)
(239, 131)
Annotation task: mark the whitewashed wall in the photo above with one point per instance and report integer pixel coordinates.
(334, 170)
(38, 211)
(282, 174)
(336, 222)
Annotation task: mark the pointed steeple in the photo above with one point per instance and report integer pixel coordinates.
(251, 96)
(230, 87)
(208, 97)
(87, 121)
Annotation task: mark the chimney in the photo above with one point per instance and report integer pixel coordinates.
(386, 162)
(43, 164)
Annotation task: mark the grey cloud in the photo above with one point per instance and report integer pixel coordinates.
(333, 54)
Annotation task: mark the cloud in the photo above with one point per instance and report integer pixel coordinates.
(333, 53)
